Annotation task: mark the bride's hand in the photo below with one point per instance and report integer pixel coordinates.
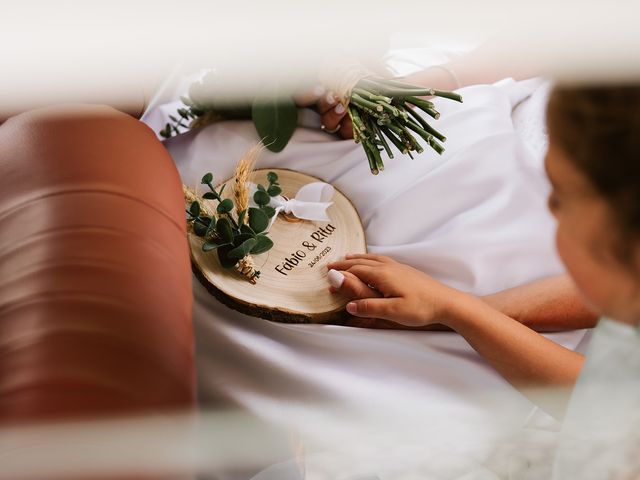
(333, 115)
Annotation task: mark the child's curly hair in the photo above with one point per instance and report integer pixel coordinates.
(598, 128)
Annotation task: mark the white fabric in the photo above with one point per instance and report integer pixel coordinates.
(474, 218)
(600, 436)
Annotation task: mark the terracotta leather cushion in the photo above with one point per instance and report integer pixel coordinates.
(95, 283)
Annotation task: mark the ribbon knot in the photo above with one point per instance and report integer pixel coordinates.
(310, 203)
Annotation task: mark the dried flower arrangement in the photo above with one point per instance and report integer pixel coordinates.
(234, 230)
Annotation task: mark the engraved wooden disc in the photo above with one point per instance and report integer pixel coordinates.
(293, 284)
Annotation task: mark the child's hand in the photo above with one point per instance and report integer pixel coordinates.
(393, 291)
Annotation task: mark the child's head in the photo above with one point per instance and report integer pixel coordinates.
(593, 163)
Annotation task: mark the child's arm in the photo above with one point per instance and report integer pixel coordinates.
(411, 298)
(548, 305)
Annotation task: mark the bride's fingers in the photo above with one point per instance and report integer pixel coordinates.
(333, 118)
(346, 128)
(326, 102)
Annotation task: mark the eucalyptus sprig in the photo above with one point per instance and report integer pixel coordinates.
(234, 237)
(274, 114)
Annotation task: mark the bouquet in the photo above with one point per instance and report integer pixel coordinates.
(383, 112)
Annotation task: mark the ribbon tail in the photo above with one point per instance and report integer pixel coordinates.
(311, 211)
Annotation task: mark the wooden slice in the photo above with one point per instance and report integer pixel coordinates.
(293, 285)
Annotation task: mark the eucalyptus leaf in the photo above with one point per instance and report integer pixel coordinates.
(263, 243)
(270, 211)
(274, 190)
(275, 120)
(209, 196)
(258, 220)
(194, 208)
(223, 228)
(272, 177)
(199, 229)
(208, 178)
(247, 229)
(211, 245)
(241, 216)
(241, 238)
(261, 198)
(211, 227)
(225, 206)
(244, 249)
(223, 256)
(261, 188)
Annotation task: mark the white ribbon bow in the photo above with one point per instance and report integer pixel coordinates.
(310, 203)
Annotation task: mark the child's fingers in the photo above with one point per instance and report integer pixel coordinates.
(347, 264)
(373, 276)
(353, 287)
(384, 308)
(370, 256)
(349, 285)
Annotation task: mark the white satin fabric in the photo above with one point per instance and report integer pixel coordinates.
(474, 218)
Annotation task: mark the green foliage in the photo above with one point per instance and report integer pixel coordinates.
(243, 249)
(199, 228)
(241, 217)
(232, 238)
(194, 209)
(207, 178)
(272, 178)
(225, 206)
(258, 220)
(261, 197)
(210, 245)
(263, 244)
(274, 190)
(269, 211)
(224, 231)
(246, 229)
(275, 120)
(223, 255)
(384, 114)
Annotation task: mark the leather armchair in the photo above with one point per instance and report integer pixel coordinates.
(95, 280)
